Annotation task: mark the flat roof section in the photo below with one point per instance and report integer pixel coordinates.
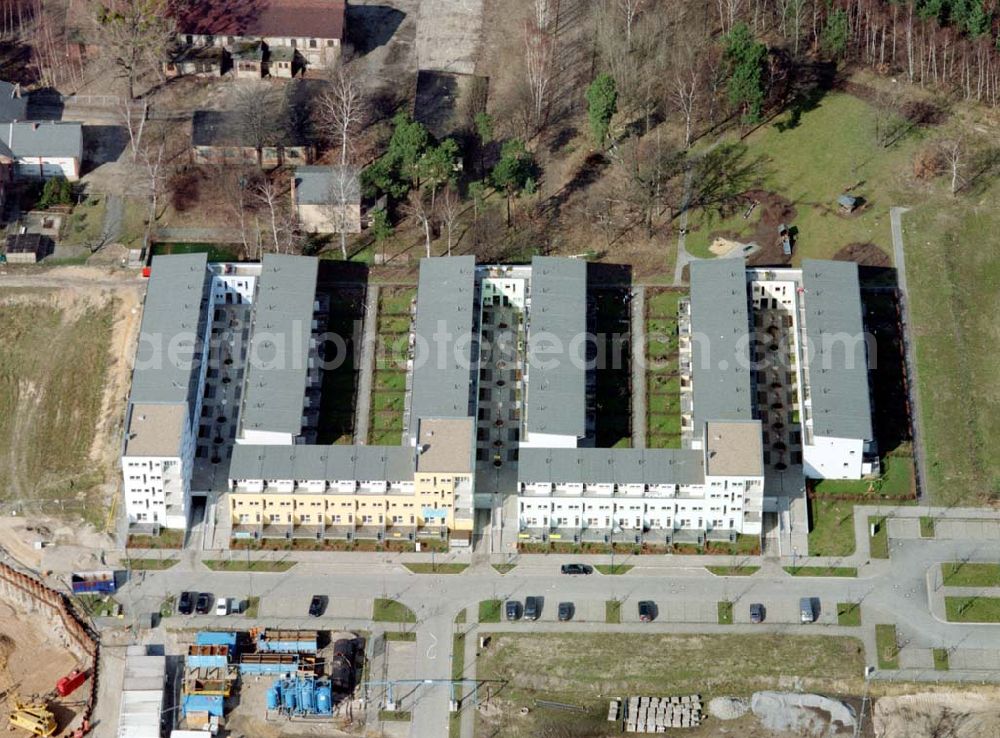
(610, 466)
(173, 321)
(444, 365)
(280, 334)
(720, 349)
(446, 445)
(734, 449)
(837, 358)
(329, 463)
(557, 381)
(156, 429)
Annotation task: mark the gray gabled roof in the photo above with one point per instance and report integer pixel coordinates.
(444, 366)
(173, 323)
(837, 359)
(557, 401)
(314, 184)
(329, 463)
(610, 466)
(720, 350)
(281, 331)
(13, 105)
(42, 138)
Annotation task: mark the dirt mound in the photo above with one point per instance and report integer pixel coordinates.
(925, 715)
(864, 254)
(775, 210)
(728, 708)
(803, 714)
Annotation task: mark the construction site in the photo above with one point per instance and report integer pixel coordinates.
(48, 660)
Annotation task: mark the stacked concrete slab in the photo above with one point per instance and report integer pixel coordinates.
(657, 714)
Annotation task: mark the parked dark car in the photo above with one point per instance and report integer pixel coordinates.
(532, 608)
(317, 605)
(185, 605)
(513, 610)
(756, 613)
(647, 611)
(577, 569)
(203, 605)
(565, 611)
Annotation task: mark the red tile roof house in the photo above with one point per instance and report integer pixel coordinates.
(313, 28)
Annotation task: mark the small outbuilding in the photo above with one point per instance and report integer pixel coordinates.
(327, 199)
(198, 61)
(27, 248)
(849, 203)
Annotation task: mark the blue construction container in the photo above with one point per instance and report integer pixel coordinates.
(306, 693)
(212, 704)
(289, 696)
(217, 638)
(273, 697)
(324, 699)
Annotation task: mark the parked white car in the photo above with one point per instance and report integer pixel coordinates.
(222, 606)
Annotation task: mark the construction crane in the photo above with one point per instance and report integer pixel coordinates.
(35, 717)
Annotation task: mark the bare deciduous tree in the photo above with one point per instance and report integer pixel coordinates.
(135, 34)
(261, 115)
(342, 111)
(686, 84)
(450, 207)
(729, 11)
(538, 69)
(270, 193)
(345, 194)
(418, 210)
(953, 150)
(629, 10)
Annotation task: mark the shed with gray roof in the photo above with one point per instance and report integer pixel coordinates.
(557, 378)
(329, 463)
(167, 361)
(280, 345)
(837, 351)
(610, 466)
(446, 357)
(720, 349)
(13, 105)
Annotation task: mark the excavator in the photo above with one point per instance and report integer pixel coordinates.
(35, 717)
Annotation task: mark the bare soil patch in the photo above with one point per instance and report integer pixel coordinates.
(864, 254)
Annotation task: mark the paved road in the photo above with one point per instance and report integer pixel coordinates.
(683, 257)
(895, 217)
(903, 590)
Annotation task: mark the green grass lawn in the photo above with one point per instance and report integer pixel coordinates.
(169, 538)
(243, 565)
(458, 656)
(150, 564)
(953, 269)
(662, 303)
(848, 613)
(429, 568)
(941, 659)
(822, 571)
(395, 300)
(885, 645)
(504, 568)
(879, 543)
(584, 668)
(406, 637)
(253, 607)
(53, 371)
(972, 609)
(725, 613)
(926, 526)
(391, 611)
(896, 481)
(490, 611)
(613, 611)
(97, 606)
(831, 527)
(958, 574)
(85, 224)
(741, 570)
(394, 716)
(215, 251)
(461, 617)
(616, 569)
